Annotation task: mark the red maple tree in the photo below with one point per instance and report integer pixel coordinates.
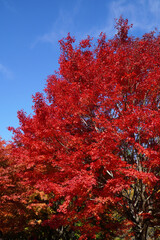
(93, 142)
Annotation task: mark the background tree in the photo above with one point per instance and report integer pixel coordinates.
(93, 142)
(12, 210)
(22, 209)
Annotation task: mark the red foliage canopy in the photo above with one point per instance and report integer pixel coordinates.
(94, 140)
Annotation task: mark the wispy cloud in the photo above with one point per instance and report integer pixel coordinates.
(144, 14)
(59, 29)
(5, 72)
(62, 25)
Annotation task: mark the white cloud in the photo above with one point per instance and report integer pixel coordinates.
(59, 30)
(5, 72)
(144, 14)
(62, 25)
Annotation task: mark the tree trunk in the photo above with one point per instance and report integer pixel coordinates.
(141, 233)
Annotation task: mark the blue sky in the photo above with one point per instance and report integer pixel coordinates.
(29, 34)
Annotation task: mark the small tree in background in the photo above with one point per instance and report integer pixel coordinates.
(10, 207)
(93, 143)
